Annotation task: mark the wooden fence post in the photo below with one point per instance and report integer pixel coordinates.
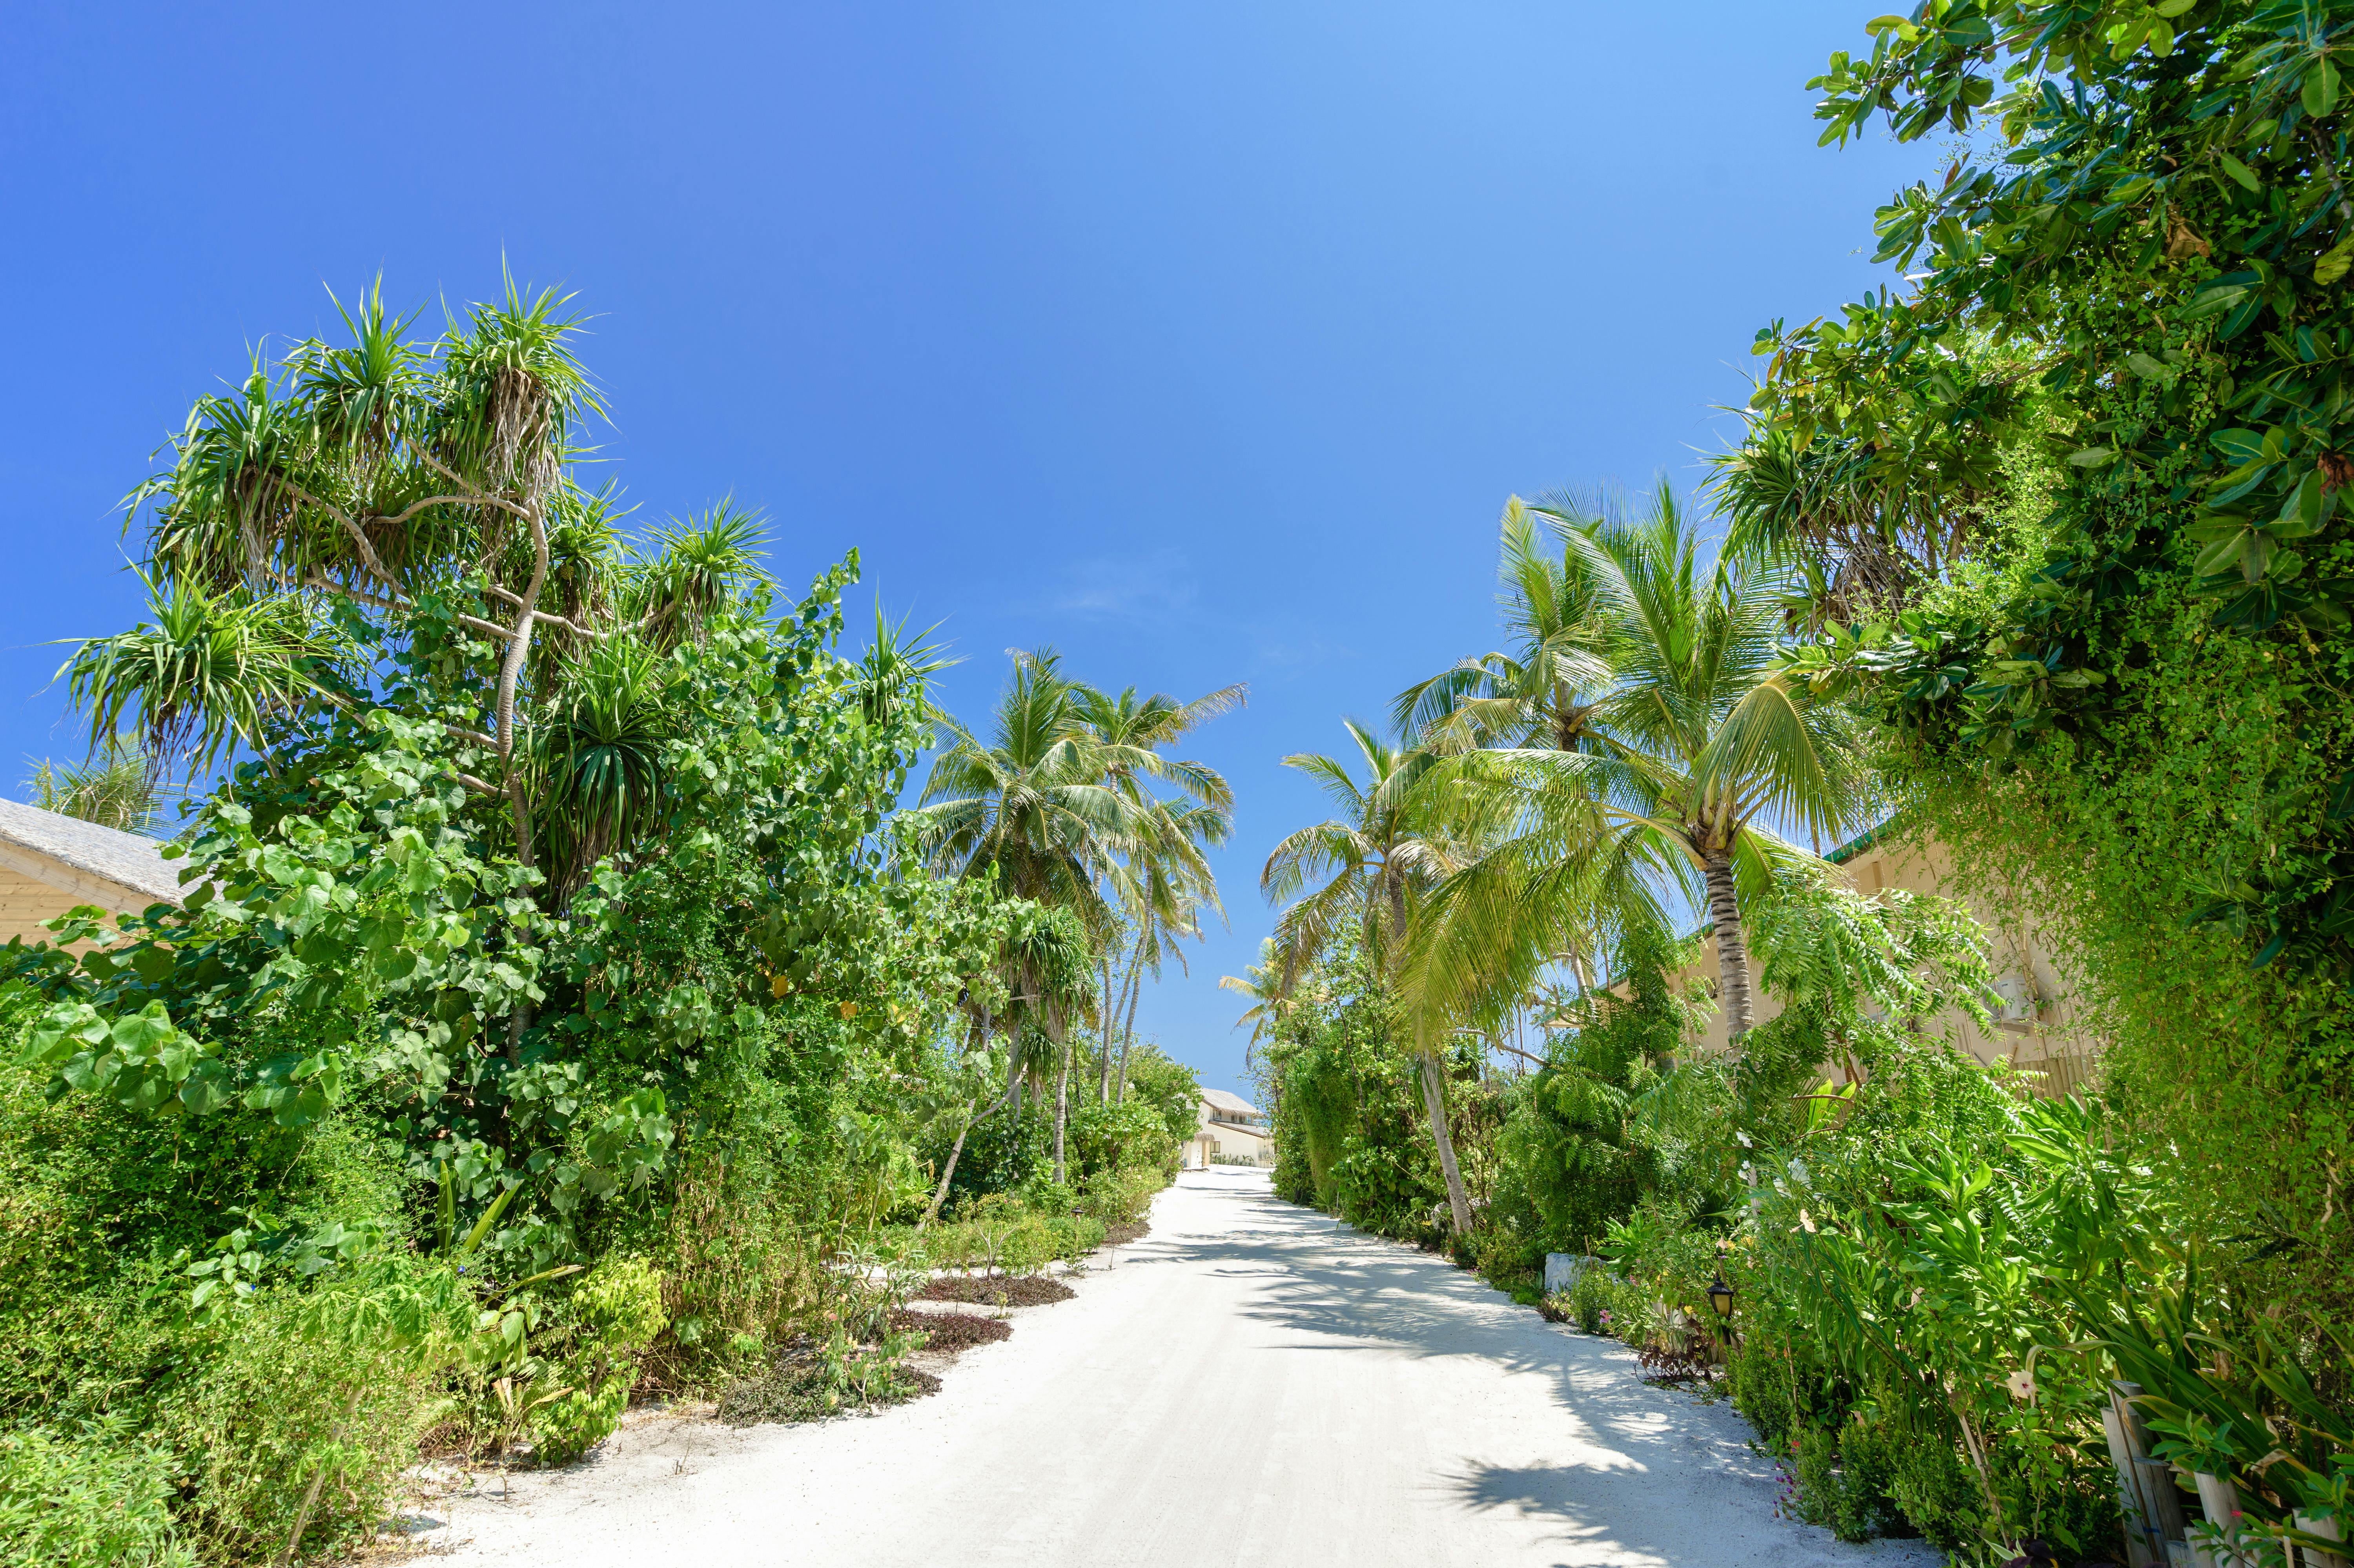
(2160, 1506)
(2313, 1557)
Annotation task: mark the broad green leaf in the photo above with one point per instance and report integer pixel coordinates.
(2240, 171)
(2320, 93)
(2240, 446)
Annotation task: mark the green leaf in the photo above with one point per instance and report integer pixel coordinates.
(2320, 93)
(2242, 447)
(2093, 457)
(2331, 264)
(2240, 171)
(2239, 482)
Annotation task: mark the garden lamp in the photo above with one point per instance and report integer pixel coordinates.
(1720, 1297)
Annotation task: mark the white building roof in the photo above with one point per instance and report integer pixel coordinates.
(1218, 1099)
(105, 866)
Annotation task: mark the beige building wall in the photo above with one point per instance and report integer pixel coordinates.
(25, 903)
(2036, 1028)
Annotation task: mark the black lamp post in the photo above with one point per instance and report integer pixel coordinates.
(1720, 1297)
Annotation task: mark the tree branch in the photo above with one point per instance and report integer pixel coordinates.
(510, 672)
(368, 557)
(477, 497)
(489, 628)
(549, 617)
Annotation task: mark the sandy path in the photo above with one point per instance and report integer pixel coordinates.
(1250, 1386)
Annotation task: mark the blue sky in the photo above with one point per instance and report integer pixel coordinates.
(1203, 343)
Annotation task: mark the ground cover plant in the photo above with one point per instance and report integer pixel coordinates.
(951, 1333)
(1005, 1290)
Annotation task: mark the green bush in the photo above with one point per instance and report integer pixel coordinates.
(1123, 1195)
(96, 1496)
(334, 1384)
(610, 1318)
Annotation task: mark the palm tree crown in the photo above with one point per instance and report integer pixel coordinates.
(1705, 745)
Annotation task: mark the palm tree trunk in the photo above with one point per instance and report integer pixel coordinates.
(1062, 1103)
(1434, 1100)
(1103, 1036)
(1128, 1033)
(948, 1175)
(1434, 1081)
(1732, 950)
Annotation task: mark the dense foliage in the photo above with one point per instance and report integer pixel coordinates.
(547, 1018)
(2061, 517)
(2126, 700)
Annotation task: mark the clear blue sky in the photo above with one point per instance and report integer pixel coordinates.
(1203, 342)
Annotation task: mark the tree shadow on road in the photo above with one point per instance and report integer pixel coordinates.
(1624, 1516)
(1342, 1290)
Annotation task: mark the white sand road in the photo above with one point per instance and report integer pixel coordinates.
(1251, 1384)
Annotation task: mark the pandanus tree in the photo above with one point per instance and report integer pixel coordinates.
(387, 493)
(1370, 864)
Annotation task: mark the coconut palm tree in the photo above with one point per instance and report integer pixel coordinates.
(1034, 804)
(1369, 863)
(1162, 886)
(1543, 690)
(1262, 984)
(1475, 952)
(1164, 892)
(1709, 745)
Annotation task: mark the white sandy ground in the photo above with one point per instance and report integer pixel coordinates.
(1251, 1384)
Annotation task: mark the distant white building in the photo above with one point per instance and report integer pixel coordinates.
(1231, 1131)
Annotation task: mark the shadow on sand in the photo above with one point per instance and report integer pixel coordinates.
(1341, 1290)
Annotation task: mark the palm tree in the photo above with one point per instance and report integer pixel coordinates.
(1262, 984)
(1474, 954)
(1544, 690)
(1375, 859)
(1164, 890)
(116, 788)
(1033, 803)
(1165, 881)
(1044, 970)
(1708, 744)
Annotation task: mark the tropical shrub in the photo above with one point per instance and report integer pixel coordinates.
(448, 1101)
